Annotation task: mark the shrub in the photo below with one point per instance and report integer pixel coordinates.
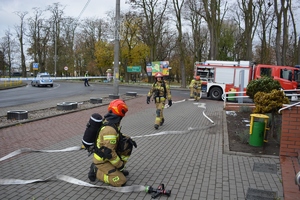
(263, 84)
(270, 103)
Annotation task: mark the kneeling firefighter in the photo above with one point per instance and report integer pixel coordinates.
(112, 148)
(160, 91)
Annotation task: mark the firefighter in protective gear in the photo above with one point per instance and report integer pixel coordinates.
(160, 91)
(196, 85)
(112, 148)
(191, 88)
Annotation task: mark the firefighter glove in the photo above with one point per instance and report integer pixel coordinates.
(170, 103)
(132, 142)
(148, 100)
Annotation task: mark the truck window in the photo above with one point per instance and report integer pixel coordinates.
(206, 74)
(297, 75)
(286, 74)
(266, 72)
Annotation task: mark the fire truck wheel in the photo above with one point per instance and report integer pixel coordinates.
(216, 93)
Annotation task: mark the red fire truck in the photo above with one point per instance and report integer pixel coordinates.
(219, 77)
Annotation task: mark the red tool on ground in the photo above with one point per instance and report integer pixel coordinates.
(157, 192)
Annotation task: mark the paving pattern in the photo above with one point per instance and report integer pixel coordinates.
(194, 164)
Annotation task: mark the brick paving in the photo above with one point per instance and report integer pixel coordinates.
(194, 165)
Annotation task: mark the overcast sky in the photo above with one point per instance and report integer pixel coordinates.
(95, 8)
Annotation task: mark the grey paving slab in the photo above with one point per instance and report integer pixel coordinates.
(193, 165)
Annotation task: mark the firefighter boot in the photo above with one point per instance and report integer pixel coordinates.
(156, 126)
(92, 173)
(125, 172)
(162, 121)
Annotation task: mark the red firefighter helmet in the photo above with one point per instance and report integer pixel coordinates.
(158, 75)
(118, 107)
(197, 78)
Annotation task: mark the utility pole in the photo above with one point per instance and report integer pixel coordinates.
(298, 57)
(55, 45)
(117, 50)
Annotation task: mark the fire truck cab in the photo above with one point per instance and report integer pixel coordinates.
(219, 77)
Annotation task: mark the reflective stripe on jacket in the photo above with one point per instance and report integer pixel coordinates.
(158, 90)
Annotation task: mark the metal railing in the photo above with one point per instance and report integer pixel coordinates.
(294, 97)
(237, 95)
(289, 106)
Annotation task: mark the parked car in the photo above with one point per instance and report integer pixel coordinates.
(42, 79)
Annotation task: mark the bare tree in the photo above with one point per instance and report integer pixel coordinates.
(214, 17)
(153, 12)
(178, 7)
(68, 27)
(296, 50)
(250, 11)
(20, 34)
(39, 36)
(55, 21)
(266, 24)
(91, 32)
(8, 47)
(199, 31)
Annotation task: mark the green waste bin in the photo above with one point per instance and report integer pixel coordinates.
(231, 95)
(257, 137)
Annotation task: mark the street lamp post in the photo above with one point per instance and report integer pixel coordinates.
(116, 50)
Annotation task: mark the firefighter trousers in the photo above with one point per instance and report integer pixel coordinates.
(110, 174)
(159, 111)
(197, 94)
(191, 92)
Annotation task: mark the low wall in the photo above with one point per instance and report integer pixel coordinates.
(238, 106)
(290, 134)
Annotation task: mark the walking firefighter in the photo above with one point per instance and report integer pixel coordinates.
(160, 91)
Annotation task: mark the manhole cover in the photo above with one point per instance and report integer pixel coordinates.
(256, 194)
(265, 167)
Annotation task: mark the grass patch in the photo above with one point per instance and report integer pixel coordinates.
(246, 109)
(11, 84)
(243, 136)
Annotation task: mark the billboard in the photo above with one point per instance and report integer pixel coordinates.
(158, 66)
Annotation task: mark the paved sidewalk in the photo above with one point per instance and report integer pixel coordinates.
(194, 165)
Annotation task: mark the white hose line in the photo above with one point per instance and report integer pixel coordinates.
(125, 189)
(24, 150)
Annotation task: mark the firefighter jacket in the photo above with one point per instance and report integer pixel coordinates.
(197, 84)
(160, 89)
(192, 83)
(106, 147)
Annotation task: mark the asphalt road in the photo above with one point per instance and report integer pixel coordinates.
(60, 89)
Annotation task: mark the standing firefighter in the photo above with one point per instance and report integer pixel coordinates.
(196, 86)
(191, 88)
(112, 148)
(160, 91)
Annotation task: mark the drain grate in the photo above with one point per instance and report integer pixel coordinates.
(256, 194)
(265, 167)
